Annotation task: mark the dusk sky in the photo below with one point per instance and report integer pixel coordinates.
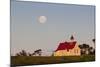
(63, 20)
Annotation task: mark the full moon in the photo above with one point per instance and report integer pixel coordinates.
(42, 19)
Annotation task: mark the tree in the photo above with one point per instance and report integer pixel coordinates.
(93, 40)
(91, 50)
(94, 45)
(37, 52)
(84, 48)
(22, 53)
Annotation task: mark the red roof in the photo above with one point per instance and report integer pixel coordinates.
(66, 45)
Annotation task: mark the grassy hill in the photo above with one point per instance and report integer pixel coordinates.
(37, 60)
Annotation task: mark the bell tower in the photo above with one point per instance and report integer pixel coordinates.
(72, 38)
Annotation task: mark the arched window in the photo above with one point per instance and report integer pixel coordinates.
(76, 51)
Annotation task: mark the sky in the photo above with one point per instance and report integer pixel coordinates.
(63, 20)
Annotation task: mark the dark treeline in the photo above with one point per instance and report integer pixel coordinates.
(85, 50)
(37, 52)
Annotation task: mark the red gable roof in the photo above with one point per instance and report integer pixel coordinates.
(66, 45)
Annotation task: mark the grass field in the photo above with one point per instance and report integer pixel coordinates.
(37, 60)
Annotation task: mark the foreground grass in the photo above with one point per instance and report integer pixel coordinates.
(37, 60)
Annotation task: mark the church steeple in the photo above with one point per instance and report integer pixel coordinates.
(72, 37)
